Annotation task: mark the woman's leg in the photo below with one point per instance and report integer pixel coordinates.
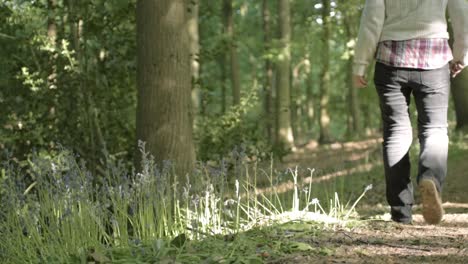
(394, 94)
(432, 98)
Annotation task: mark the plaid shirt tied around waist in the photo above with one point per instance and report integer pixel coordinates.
(423, 54)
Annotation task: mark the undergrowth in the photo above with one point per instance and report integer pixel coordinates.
(55, 211)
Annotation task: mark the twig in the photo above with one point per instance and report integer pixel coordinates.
(383, 243)
(3, 35)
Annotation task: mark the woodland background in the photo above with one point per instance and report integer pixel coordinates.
(264, 76)
(202, 131)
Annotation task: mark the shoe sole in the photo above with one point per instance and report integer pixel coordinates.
(432, 206)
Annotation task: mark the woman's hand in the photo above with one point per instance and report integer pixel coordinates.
(359, 81)
(456, 68)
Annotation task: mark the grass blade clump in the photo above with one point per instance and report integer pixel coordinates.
(55, 211)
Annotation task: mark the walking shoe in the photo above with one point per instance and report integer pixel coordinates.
(401, 214)
(432, 206)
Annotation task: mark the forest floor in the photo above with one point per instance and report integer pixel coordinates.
(376, 239)
(341, 170)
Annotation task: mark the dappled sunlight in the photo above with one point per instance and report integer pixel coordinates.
(455, 205)
(351, 145)
(189, 131)
(385, 238)
(406, 251)
(453, 219)
(303, 216)
(289, 186)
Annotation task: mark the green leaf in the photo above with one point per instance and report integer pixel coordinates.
(99, 257)
(297, 247)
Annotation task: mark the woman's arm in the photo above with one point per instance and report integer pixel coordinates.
(372, 21)
(458, 12)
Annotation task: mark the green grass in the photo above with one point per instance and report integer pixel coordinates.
(55, 211)
(257, 245)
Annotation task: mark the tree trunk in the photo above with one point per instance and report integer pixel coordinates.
(284, 131)
(224, 84)
(295, 101)
(193, 14)
(325, 75)
(51, 25)
(52, 35)
(354, 115)
(229, 33)
(459, 89)
(164, 118)
(354, 127)
(223, 59)
(309, 105)
(84, 94)
(460, 98)
(267, 100)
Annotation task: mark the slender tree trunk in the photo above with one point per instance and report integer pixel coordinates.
(234, 59)
(325, 76)
(84, 96)
(354, 115)
(193, 14)
(224, 83)
(459, 89)
(267, 39)
(51, 24)
(284, 131)
(294, 91)
(460, 98)
(52, 35)
(235, 74)
(354, 126)
(164, 83)
(223, 59)
(309, 104)
(295, 101)
(76, 34)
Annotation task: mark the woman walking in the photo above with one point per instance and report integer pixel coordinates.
(409, 41)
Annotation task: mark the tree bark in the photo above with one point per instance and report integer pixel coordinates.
(267, 90)
(232, 50)
(52, 35)
(325, 75)
(310, 104)
(51, 24)
(193, 14)
(284, 132)
(459, 89)
(460, 98)
(354, 127)
(164, 118)
(295, 98)
(354, 115)
(92, 142)
(224, 81)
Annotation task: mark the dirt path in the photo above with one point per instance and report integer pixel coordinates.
(378, 240)
(385, 242)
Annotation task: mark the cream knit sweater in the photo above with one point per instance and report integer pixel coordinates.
(410, 19)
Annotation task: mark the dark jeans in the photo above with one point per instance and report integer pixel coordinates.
(430, 89)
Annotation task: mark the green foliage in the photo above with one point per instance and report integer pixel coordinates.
(79, 92)
(239, 127)
(55, 210)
